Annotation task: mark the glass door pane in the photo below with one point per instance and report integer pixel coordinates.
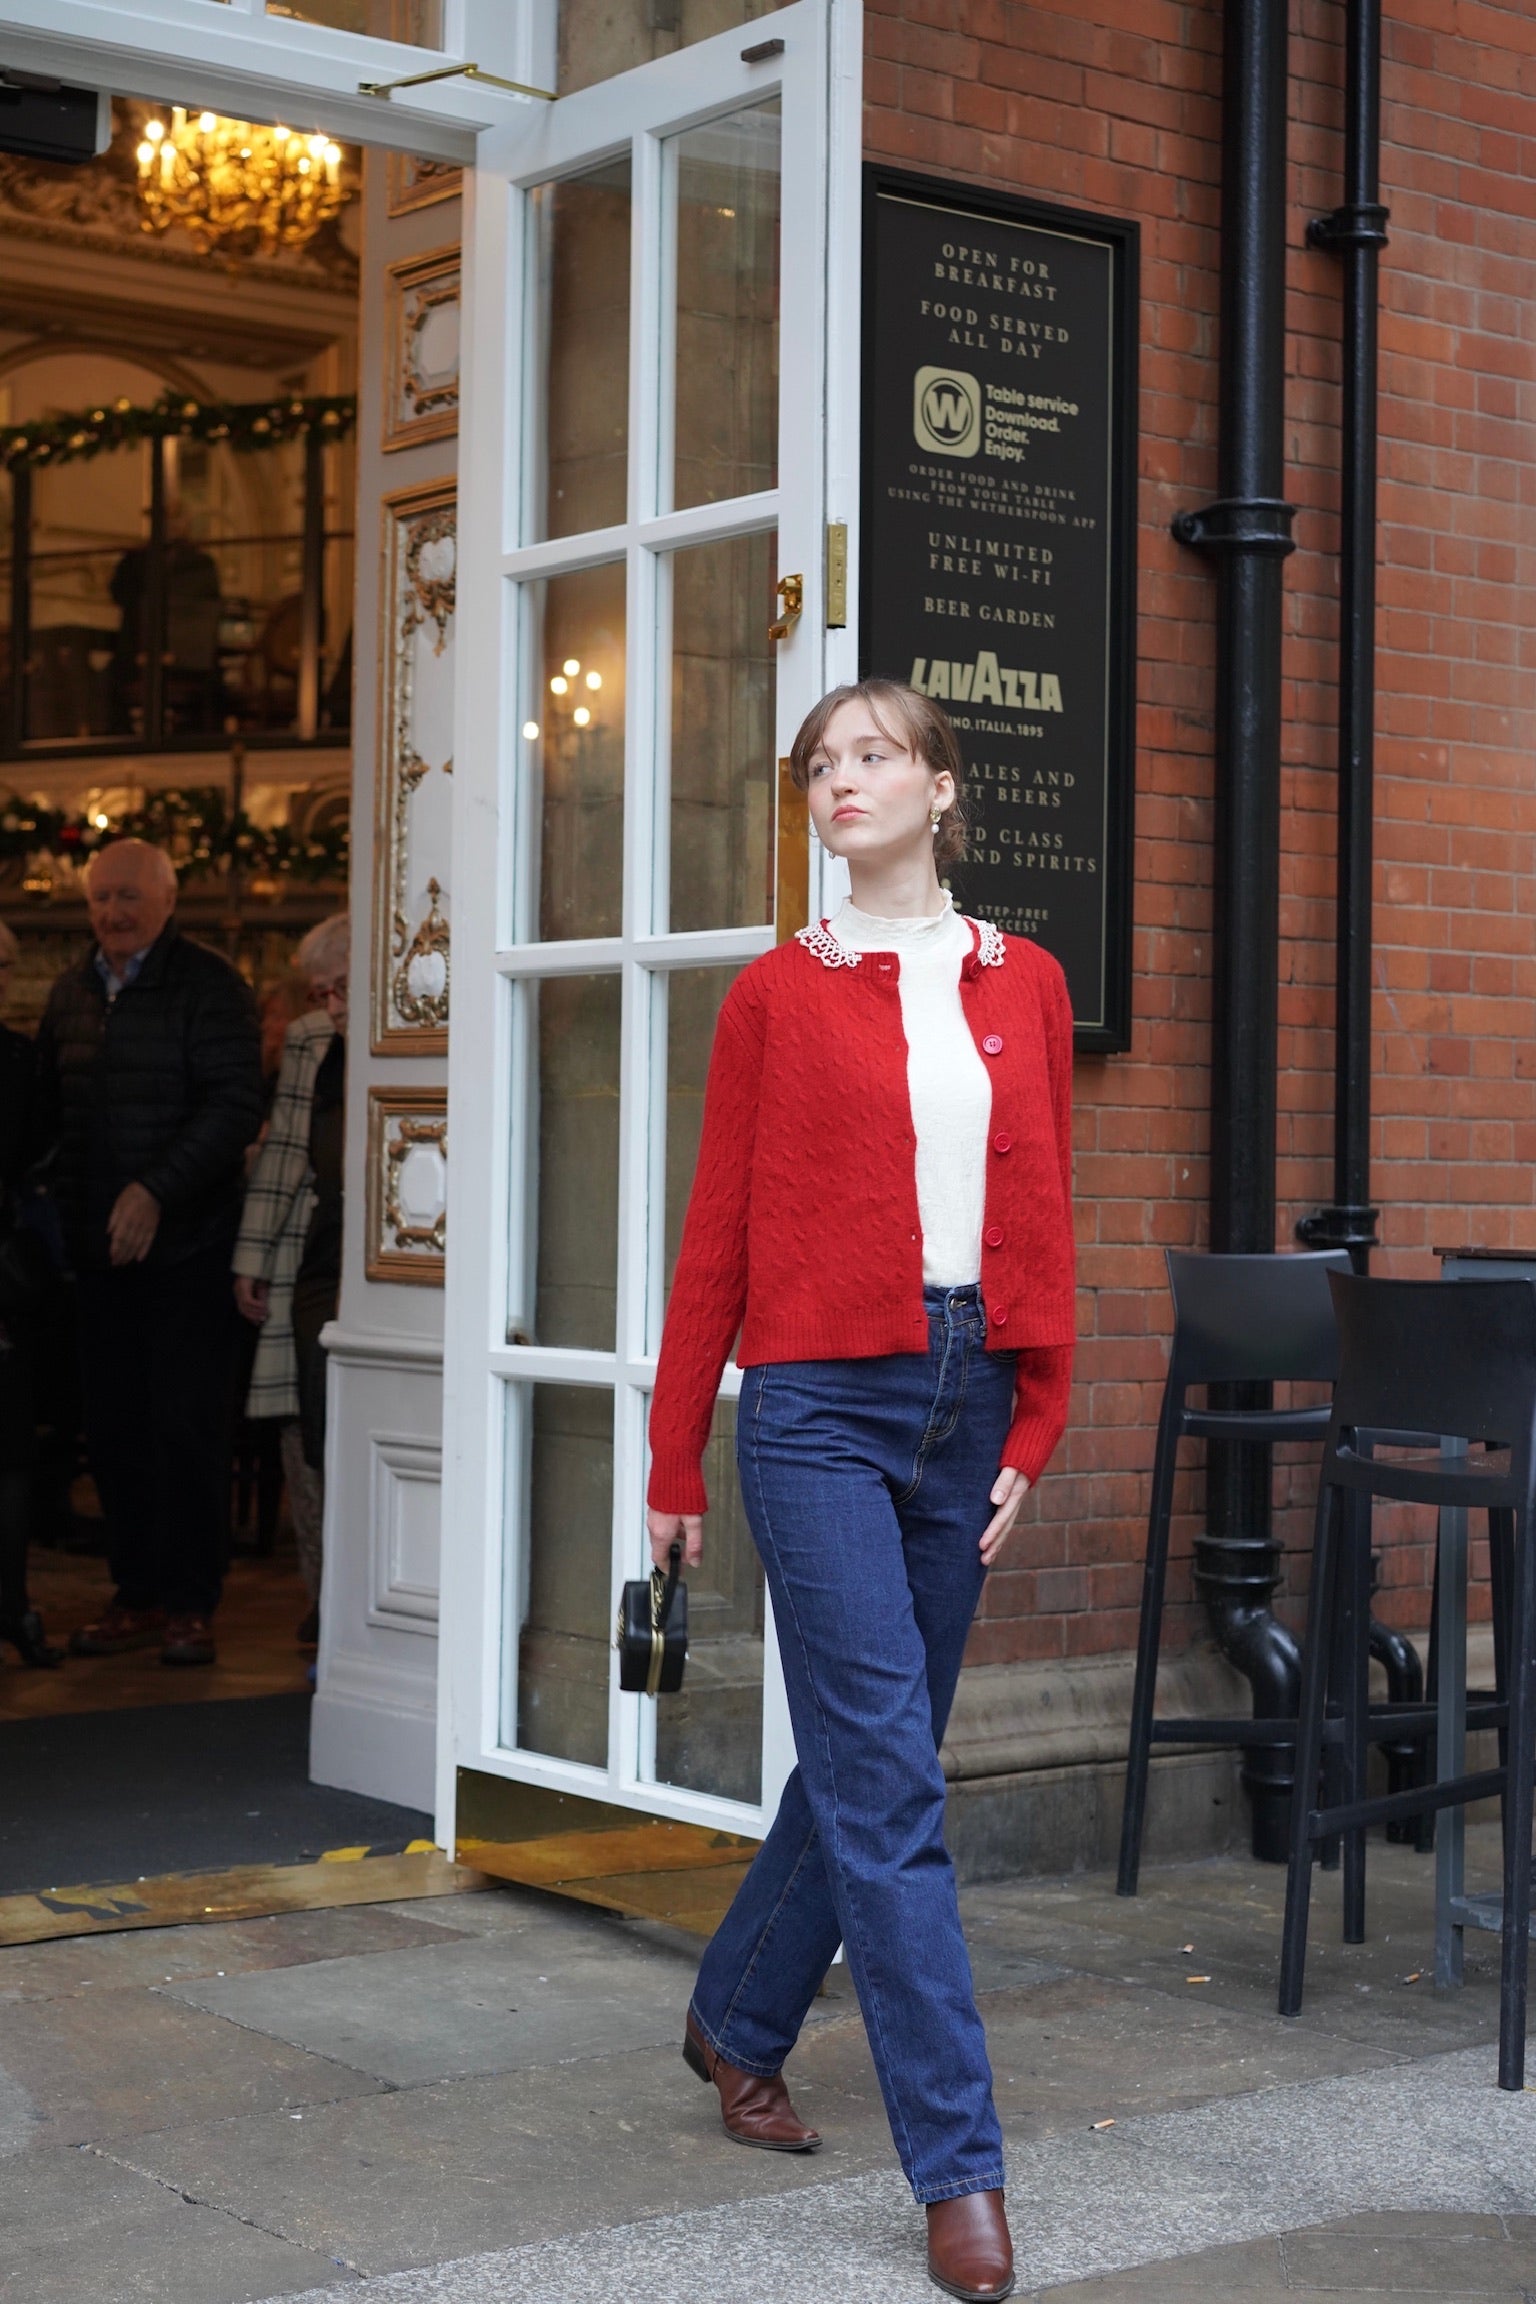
(574, 746)
(601, 37)
(578, 1186)
(414, 23)
(709, 1736)
(726, 323)
(581, 227)
(563, 1624)
(724, 776)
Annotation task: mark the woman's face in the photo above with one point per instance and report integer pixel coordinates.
(871, 798)
(330, 993)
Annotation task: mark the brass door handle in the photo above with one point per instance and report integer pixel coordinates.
(791, 590)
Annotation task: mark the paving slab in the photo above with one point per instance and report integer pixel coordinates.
(546, 1993)
(1437, 2135)
(75, 2229)
(95, 2068)
(1427, 2263)
(1448, 2258)
(1073, 2049)
(166, 1955)
(1220, 1922)
(417, 2175)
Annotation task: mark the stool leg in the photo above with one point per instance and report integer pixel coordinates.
(1148, 1642)
(1354, 1693)
(1424, 1826)
(1501, 1554)
(1520, 1789)
(1450, 1732)
(1309, 1747)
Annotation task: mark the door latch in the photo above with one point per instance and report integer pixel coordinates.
(791, 591)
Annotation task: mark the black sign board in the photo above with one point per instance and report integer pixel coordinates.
(999, 546)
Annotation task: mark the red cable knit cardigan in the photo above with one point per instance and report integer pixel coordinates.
(802, 1228)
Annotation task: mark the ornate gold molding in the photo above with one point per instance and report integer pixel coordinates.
(412, 182)
(404, 1242)
(411, 946)
(422, 404)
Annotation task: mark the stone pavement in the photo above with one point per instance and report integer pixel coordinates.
(480, 2099)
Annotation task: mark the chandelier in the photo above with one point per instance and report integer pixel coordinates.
(237, 189)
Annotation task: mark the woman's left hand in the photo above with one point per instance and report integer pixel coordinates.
(1009, 1490)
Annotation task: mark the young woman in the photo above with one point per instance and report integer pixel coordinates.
(882, 1208)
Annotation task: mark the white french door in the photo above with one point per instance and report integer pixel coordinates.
(657, 428)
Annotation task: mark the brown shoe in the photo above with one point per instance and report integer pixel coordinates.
(188, 1640)
(755, 2107)
(116, 1631)
(969, 2252)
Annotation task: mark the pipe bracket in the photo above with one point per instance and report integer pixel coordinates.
(1348, 1225)
(1239, 524)
(1360, 225)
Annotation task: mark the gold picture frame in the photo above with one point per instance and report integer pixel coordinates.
(412, 182)
(405, 1243)
(422, 401)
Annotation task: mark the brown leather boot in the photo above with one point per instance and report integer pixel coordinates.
(969, 2252)
(755, 2108)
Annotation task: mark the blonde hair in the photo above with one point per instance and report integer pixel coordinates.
(326, 950)
(911, 719)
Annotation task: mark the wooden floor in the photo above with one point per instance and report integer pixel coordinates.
(264, 1602)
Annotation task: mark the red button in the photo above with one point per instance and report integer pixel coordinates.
(1001, 1143)
(999, 1315)
(993, 1235)
(993, 1044)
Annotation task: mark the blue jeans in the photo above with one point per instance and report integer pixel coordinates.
(867, 1486)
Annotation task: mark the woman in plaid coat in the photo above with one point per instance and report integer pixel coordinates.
(282, 1210)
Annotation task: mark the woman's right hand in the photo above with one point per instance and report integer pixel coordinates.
(252, 1298)
(668, 1528)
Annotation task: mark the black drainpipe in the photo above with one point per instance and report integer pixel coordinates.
(1248, 533)
(1356, 232)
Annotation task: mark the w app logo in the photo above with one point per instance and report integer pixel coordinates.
(946, 412)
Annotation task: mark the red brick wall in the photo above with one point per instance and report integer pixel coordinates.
(1115, 104)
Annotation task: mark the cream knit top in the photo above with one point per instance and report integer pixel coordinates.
(950, 1087)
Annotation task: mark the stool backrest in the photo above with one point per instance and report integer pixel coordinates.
(1456, 1357)
(1253, 1319)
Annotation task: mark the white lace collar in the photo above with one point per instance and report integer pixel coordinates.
(819, 941)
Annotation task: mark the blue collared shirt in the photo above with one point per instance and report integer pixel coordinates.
(131, 966)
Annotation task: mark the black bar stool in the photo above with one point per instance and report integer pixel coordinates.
(1414, 1357)
(1236, 1319)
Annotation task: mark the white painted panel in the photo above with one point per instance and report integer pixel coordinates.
(404, 1515)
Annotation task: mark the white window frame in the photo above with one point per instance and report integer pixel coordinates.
(817, 78)
(232, 56)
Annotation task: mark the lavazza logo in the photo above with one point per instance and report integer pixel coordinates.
(946, 412)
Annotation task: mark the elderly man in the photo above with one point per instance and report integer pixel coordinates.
(149, 1077)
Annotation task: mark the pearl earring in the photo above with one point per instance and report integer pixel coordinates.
(935, 820)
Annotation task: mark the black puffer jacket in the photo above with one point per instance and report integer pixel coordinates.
(161, 1088)
(17, 1067)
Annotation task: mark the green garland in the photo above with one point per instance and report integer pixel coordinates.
(195, 828)
(243, 424)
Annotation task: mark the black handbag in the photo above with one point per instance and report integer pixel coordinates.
(652, 1634)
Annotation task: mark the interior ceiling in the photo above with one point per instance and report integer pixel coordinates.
(77, 269)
